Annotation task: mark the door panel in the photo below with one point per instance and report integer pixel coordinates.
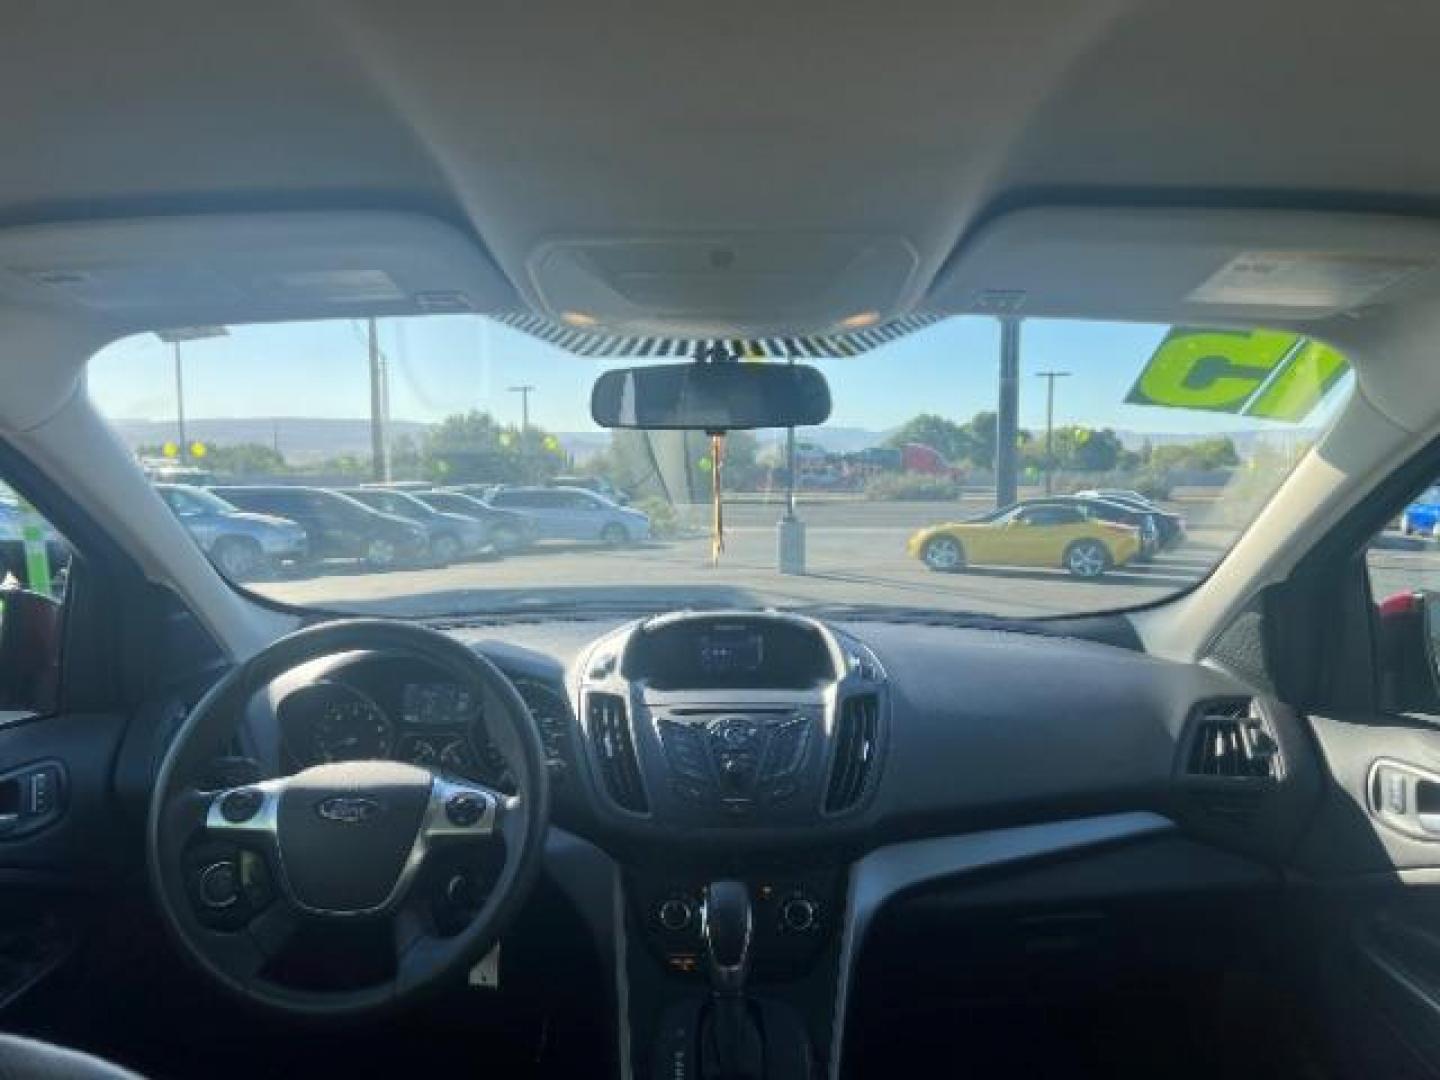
(1377, 874)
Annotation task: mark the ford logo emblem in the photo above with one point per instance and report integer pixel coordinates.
(349, 809)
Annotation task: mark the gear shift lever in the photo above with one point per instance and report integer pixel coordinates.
(735, 1047)
(726, 924)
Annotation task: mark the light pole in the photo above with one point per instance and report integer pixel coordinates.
(1050, 377)
(790, 530)
(1007, 427)
(379, 440)
(173, 338)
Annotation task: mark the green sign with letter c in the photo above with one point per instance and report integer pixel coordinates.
(1267, 374)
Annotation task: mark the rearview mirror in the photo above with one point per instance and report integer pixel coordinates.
(721, 396)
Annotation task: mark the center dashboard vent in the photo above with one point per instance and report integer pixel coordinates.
(608, 725)
(855, 745)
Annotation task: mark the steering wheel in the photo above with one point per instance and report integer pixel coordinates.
(246, 875)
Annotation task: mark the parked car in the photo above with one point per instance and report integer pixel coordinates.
(575, 514)
(475, 491)
(451, 536)
(242, 545)
(1049, 534)
(1171, 524)
(1422, 517)
(509, 529)
(1144, 520)
(337, 526)
(597, 484)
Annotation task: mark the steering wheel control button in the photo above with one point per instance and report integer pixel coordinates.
(464, 809)
(219, 886)
(676, 914)
(799, 914)
(238, 807)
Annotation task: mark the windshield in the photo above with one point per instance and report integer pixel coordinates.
(897, 502)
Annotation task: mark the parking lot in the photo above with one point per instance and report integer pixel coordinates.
(855, 554)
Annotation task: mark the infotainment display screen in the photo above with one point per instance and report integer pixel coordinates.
(741, 652)
(727, 649)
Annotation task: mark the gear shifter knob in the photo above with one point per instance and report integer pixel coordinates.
(726, 924)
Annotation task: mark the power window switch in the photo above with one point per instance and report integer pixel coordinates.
(40, 792)
(1393, 791)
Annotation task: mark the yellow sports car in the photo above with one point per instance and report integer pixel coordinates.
(1043, 534)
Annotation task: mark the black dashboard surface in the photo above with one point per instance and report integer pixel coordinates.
(986, 728)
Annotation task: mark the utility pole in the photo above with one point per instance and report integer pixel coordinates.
(1050, 377)
(379, 450)
(173, 338)
(180, 401)
(524, 392)
(790, 535)
(1007, 415)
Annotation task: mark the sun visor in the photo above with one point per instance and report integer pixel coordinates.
(723, 285)
(181, 271)
(1188, 267)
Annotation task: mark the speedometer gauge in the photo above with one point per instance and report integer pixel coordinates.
(334, 723)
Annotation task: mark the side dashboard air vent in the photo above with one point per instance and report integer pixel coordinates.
(1230, 740)
(855, 744)
(609, 730)
(1231, 760)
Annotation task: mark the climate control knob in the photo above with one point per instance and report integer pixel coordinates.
(676, 913)
(799, 913)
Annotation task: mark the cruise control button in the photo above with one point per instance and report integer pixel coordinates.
(240, 806)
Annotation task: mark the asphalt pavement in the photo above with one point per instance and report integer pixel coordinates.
(855, 554)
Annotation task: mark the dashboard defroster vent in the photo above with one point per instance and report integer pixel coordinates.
(609, 730)
(1229, 740)
(854, 752)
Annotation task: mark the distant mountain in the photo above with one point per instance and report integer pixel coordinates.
(308, 439)
(300, 439)
(1245, 441)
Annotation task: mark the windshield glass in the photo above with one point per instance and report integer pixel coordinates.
(891, 504)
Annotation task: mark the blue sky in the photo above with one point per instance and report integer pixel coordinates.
(445, 364)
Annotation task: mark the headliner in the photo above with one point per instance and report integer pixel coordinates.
(523, 122)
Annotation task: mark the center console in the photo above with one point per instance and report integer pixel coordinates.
(736, 739)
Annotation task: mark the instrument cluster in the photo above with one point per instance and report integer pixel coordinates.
(435, 724)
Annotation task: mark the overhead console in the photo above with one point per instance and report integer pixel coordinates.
(729, 720)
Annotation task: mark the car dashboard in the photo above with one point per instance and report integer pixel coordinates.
(835, 768)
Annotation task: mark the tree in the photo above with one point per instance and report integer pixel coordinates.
(984, 435)
(1087, 450)
(1204, 455)
(472, 447)
(247, 460)
(955, 442)
(742, 468)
